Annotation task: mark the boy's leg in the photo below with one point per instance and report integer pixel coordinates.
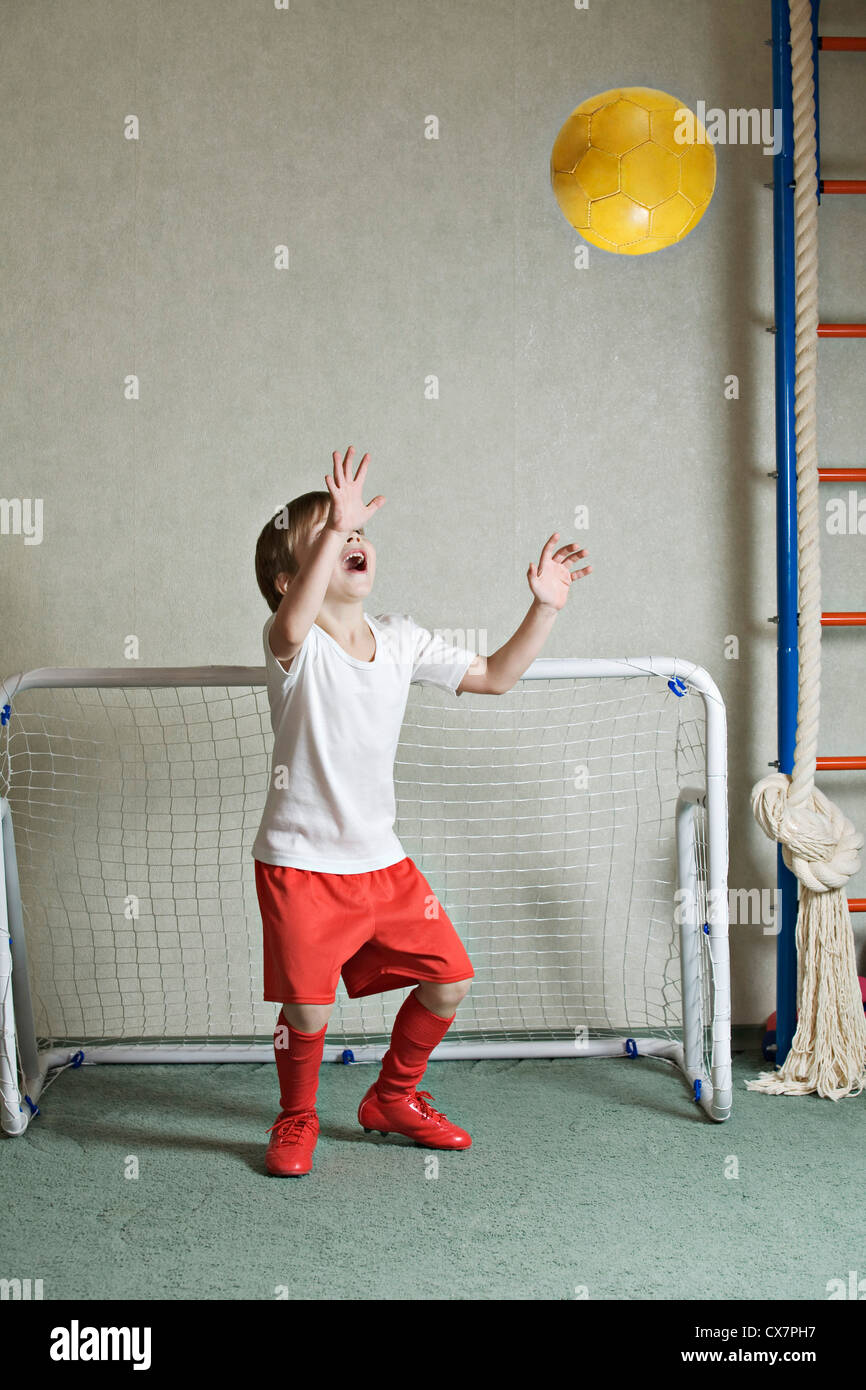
(413, 938)
(422, 1022)
(297, 910)
(299, 1043)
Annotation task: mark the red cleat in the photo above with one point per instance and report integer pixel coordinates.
(293, 1138)
(411, 1115)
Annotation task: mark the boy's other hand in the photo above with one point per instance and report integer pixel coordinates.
(348, 512)
(551, 579)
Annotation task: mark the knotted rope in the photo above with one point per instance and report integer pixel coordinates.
(819, 843)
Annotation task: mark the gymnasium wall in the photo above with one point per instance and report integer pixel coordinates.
(408, 258)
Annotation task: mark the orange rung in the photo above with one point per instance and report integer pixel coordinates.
(843, 185)
(842, 330)
(843, 619)
(842, 475)
(857, 904)
(840, 764)
(838, 45)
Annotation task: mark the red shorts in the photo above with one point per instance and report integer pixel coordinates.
(380, 930)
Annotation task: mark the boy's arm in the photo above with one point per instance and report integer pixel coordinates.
(550, 582)
(302, 601)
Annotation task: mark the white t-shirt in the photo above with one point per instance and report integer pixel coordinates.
(336, 720)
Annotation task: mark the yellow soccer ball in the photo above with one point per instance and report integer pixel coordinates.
(623, 178)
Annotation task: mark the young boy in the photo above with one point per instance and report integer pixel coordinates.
(337, 892)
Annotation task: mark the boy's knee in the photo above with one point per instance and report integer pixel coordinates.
(307, 1018)
(461, 989)
(445, 995)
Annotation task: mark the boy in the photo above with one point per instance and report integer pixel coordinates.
(337, 892)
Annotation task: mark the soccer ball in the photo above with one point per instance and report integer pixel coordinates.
(621, 176)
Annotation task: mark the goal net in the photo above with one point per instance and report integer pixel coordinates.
(573, 829)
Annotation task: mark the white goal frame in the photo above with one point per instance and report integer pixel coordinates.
(24, 1067)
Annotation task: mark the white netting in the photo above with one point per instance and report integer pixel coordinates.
(544, 820)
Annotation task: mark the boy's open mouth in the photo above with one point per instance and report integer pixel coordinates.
(355, 560)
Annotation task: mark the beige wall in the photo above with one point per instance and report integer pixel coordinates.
(408, 257)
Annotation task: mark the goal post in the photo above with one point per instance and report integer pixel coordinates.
(574, 829)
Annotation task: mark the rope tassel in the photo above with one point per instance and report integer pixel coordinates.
(819, 844)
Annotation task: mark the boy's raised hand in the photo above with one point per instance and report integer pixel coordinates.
(348, 512)
(551, 579)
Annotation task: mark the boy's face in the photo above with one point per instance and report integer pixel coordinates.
(355, 569)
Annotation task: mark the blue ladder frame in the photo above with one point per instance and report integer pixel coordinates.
(786, 473)
(786, 502)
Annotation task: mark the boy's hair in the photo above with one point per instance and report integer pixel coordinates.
(275, 546)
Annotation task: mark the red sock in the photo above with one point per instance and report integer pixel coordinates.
(415, 1033)
(299, 1059)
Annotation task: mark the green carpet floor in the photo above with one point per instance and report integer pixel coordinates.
(584, 1174)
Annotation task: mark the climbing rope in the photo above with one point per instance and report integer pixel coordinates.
(819, 844)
